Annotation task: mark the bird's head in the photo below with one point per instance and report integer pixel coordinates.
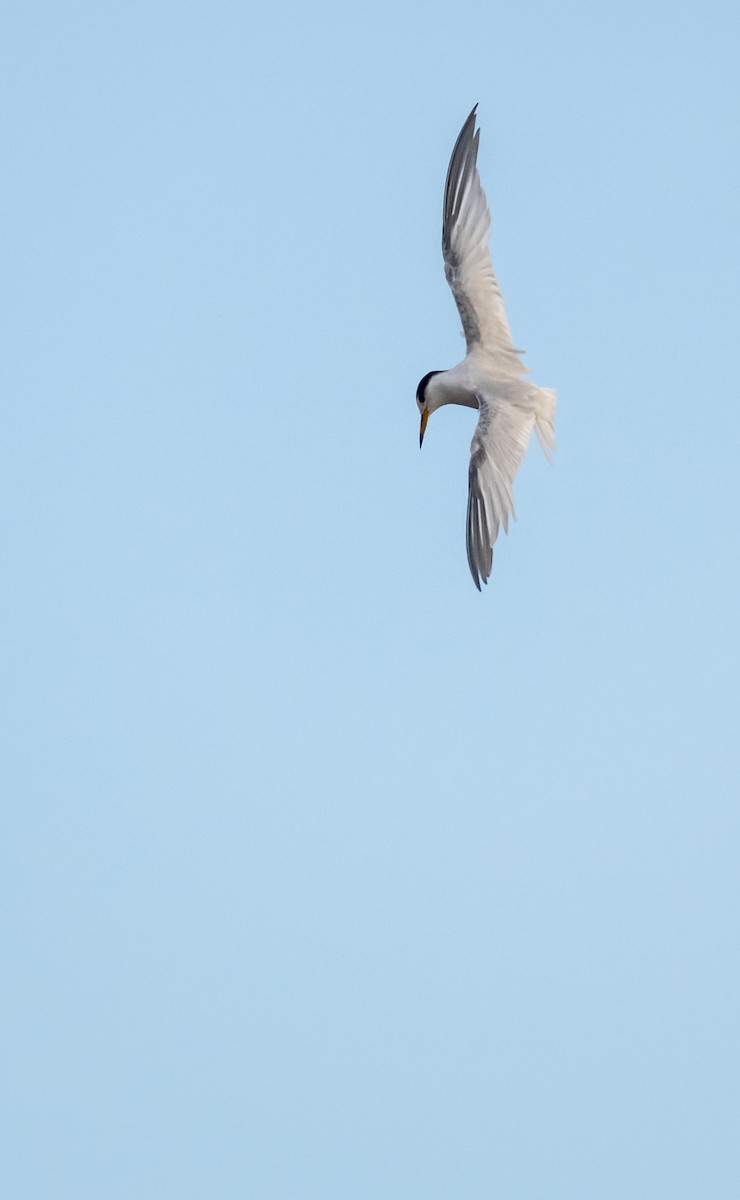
(422, 402)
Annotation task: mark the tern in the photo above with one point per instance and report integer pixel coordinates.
(490, 377)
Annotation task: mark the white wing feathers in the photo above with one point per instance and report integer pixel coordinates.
(466, 225)
(499, 443)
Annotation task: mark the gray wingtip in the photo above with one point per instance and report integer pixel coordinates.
(461, 167)
(478, 539)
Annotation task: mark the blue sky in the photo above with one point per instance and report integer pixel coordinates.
(322, 874)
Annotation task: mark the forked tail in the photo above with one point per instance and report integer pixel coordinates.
(544, 420)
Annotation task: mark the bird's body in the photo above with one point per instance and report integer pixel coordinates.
(491, 376)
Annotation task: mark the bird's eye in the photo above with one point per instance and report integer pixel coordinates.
(422, 388)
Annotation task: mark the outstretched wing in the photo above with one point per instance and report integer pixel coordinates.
(466, 226)
(499, 442)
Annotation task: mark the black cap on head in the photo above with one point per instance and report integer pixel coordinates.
(421, 390)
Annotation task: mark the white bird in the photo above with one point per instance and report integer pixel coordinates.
(490, 376)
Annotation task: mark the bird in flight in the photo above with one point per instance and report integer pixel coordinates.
(490, 377)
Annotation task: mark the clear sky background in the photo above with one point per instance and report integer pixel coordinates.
(324, 876)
